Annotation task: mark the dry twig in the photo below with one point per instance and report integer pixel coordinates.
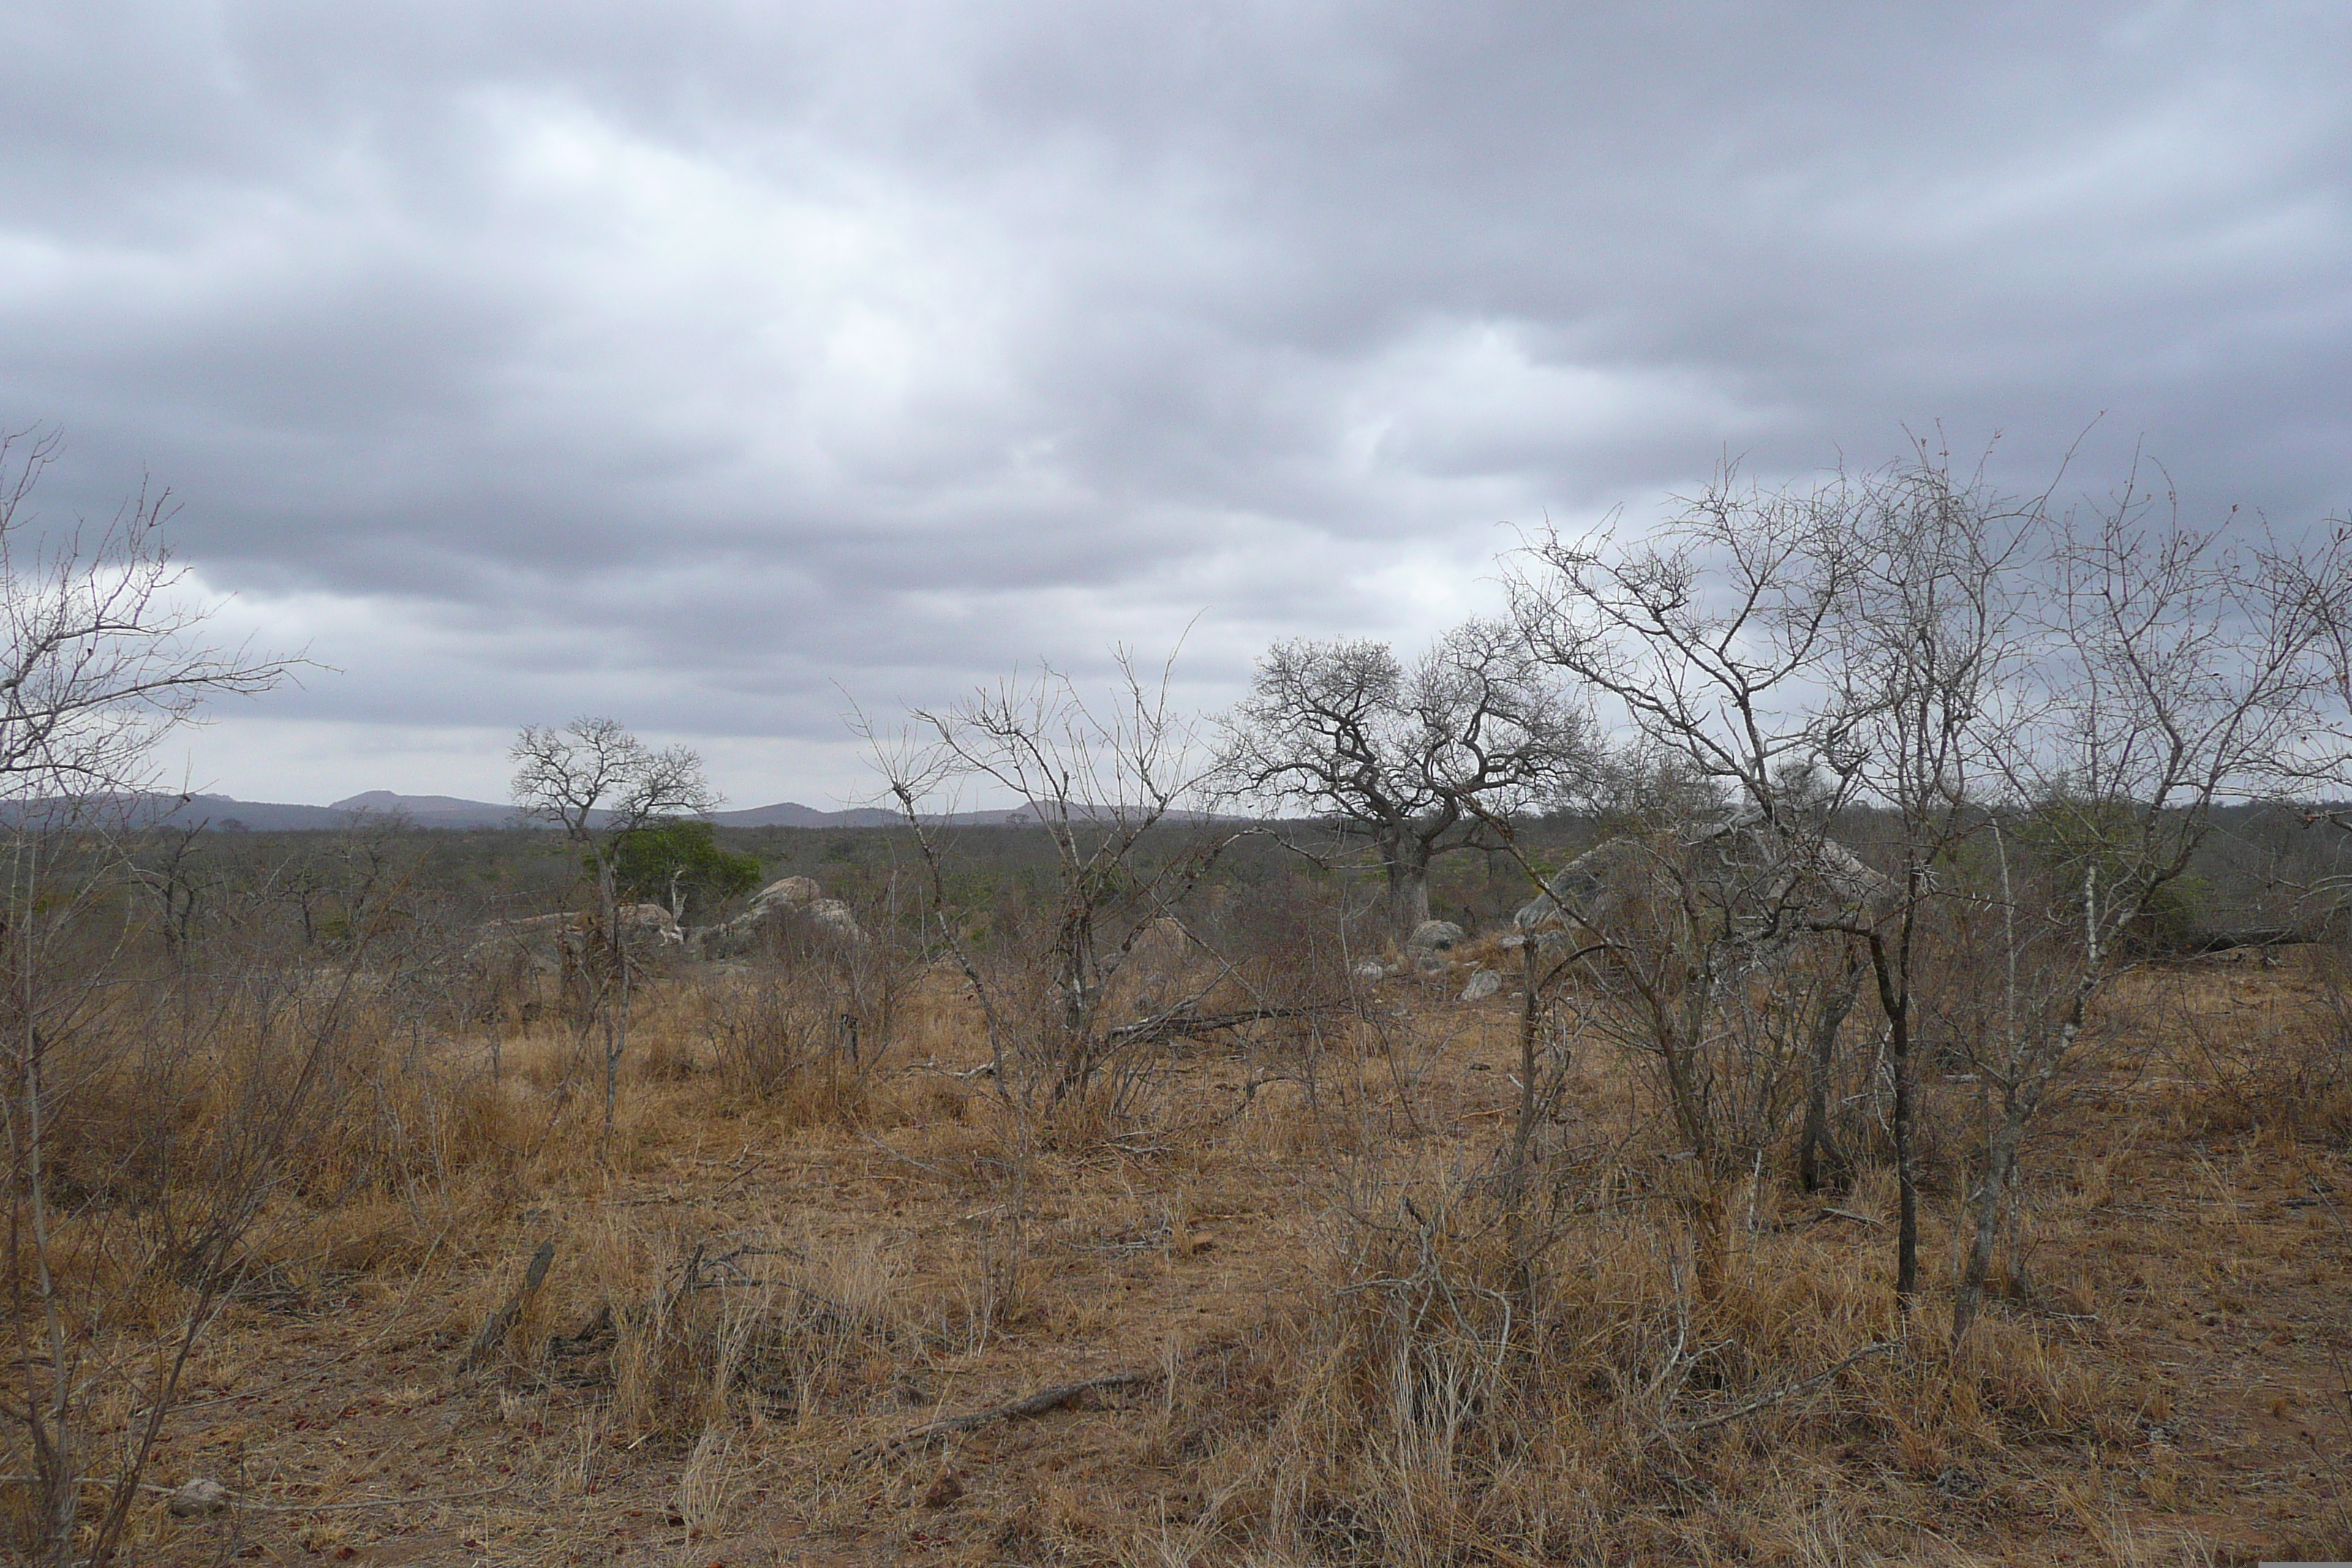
(1786, 1391)
(1037, 1404)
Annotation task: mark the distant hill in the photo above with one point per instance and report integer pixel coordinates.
(430, 810)
(793, 814)
(170, 811)
(222, 812)
(228, 813)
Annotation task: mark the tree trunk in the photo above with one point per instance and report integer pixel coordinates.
(1895, 1002)
(2000, 1161)
(617, 1038)
(1081, 986)
(1907, 1173)
(1818, 1145)
(1530, 1026)
(1710, 1215)
(1408, 871)
(2029, 1076)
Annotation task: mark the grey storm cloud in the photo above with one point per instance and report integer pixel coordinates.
(701, 362)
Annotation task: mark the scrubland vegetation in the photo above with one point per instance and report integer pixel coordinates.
(1344, 1331)
(1890, 1100)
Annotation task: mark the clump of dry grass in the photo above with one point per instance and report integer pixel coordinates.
(1456, 1369)
(2236, 1047)
(682, 1336)
(1480, 1379)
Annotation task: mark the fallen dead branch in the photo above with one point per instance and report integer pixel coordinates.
(1188, 1023)
(1785, 1392)
(500, 1323)
(1037, 1404)
(1817, 1216)
(246, 1501)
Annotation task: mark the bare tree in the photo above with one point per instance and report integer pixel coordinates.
(1711, 643)
(1709, 638)
(596, 781)
(1929, 653)
(101, 657)
(2320, 581)
(1420, 761)
(99, 660)
(2070, 699)
(2171, 672)
(1098, 777)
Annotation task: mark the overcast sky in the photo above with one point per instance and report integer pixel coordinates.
(697, 363)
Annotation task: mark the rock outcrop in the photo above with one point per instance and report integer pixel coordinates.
(549, 938)
(787, 905)
(1740, 862)
(787, 892)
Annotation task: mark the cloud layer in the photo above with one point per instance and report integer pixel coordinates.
(698, 364)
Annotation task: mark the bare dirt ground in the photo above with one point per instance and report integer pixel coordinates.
(753, 1300)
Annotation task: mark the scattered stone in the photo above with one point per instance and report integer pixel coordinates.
(199, 1494)
(835, 917)
(1483, 984)
(555, 943)
(786, 899)
(640, 920)
(1598, 883)
(1433, 936)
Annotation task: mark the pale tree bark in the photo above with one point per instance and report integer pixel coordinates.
(1407, 868)
(1819, 1159)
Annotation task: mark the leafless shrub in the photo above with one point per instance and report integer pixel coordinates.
(770, 1042)
(690, 1336)
(1475, 1385)
(1101, 781)
(2041, 712)
(98, 663)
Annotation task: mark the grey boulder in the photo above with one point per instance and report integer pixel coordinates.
(1433, 936)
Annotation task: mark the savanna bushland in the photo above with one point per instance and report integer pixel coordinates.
(1874, 1084)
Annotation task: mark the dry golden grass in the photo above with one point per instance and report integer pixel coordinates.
(1348, 1344)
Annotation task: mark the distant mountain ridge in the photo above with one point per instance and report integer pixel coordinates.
(223, 812)
(793, 814)
(451, 811)
(426, 810)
